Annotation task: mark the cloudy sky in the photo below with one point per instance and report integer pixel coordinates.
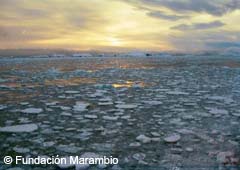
(181, 25)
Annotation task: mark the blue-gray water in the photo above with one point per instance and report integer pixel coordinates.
(103, 105)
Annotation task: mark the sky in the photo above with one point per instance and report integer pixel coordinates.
(119, 25)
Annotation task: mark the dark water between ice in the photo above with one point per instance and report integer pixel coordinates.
(102, 105)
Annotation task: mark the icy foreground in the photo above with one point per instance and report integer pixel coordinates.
(150, 112)
(19, 128)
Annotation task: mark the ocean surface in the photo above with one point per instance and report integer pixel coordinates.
(175, 112)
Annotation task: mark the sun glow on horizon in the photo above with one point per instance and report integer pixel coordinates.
(110, 24)
(114, 41)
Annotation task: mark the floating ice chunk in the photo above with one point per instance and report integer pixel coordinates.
(188, 117)
(70, 129)
(202, 114)
(15, 168)
(65, 107)
(19, 128)
(81, 106)
(137, 85)
(24, 103)
(176, 150)
(21, 150)
(32, 110)
(68, 149)
(143, 139)
(227, 100)
(155, 134)
(3, 80)
(185, 131)
(86, 165)
(118, 113)
(177, 93)
(102, 166)
(216, 111)
(215, 97)
(190, 104)
(49, 109)
(67, 164)
(110, 117)
(106, 99)
(189, 149)
(236, 114)
(2, 107)
(90, 155)
(98, 93)
(225, 157)
(116, 167)
(91, 116)
(84, 135)
(5, 86)
(173, 138)
(9, 122)
(126, 117)
(72, 92)
(52, 103)
(53, 71)
(24, 120)
(135, 144)
(155, 139)
(105, 103)
(65, 114)
(139, 156)
(176, 121)
(204, 136)
(126, 106)
(48, 144)
(103, 86)
(152, 102)
(82, 166)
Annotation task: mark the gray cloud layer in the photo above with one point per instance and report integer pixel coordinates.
(213, 40)
(162, 15)
(213, 7)
(199, 26)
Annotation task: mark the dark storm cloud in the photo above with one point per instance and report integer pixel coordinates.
(198, 41)
(162, 15)
(213, 7)
(199, 26)
(224, 44)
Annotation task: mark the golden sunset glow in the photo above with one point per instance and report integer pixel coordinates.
(117, 24)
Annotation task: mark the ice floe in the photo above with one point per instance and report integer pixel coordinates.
(91, 116)
(2, 107)
(19, 128)
(111, 118)
(173, 138)
(139, 156)
(67, 164)
(71, 92)
(153, 102)
(21, 150)
(217, 111)
(80, 106)
(126, 106)
(32, 110)
(143, 139)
